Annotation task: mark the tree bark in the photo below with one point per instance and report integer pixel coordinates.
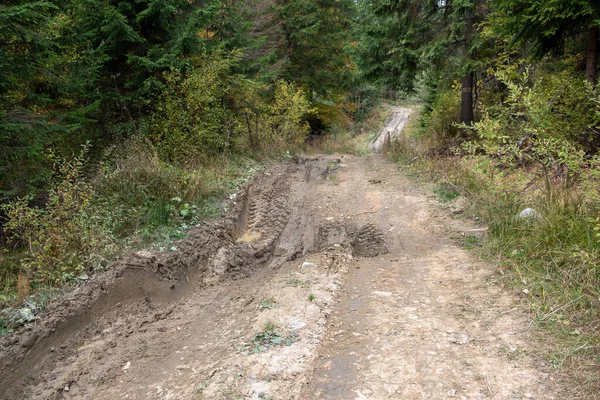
(591, 59)
(466, 105)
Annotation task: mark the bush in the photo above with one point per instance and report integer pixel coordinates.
(65, 237)
(212, 111)
(143, 192)
(442, 122)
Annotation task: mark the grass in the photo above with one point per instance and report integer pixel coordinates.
(471, 242)
(553, 261)
(446, 193)
(135, 200)
(294, 281)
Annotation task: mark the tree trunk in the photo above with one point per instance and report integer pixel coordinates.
(466, 104)
(591, 59)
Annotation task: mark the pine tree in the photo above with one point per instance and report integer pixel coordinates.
(25, 52)
(548, 24)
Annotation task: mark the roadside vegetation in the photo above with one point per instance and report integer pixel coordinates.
(532, 143)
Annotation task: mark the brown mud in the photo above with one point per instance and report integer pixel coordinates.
(342, 264)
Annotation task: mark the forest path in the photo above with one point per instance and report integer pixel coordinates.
(361, 293)
(392, 128)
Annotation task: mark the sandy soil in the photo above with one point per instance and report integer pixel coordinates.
(331, 278)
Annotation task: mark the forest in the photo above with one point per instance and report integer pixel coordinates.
(122, 122)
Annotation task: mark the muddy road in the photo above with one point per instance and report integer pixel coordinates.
(332, 277)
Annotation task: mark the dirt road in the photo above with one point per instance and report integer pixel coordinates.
(332, 278)
(392, 128)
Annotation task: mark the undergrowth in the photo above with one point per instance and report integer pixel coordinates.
(552, 261)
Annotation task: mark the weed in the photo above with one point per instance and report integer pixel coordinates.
(268, 304)
(269, 326)
(311, 297)
(512, 354)
(446, 193)
(294, 281)
(471, 242)
(267, 338)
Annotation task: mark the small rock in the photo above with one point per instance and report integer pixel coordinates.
(26, 314)
(526, 291)
(127, 366)
(452, 393)
(529, 213)
(384, 294)
(308, 265)
(460, 339)
(361, 396)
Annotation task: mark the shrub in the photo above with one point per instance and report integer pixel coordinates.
(143, 192)
(192, 119)
(66, 236)
(285, 120)
(212, 111)
(442, 121)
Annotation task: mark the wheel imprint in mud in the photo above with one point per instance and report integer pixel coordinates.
(369, 242)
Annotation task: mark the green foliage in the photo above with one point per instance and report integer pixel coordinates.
(66, 237)
(268, 304)
(269, 337)
(212, 111)
(285, 120)
(391, 35)
(442, 121)
(316, 33)
(192, 116)
(546, 24)
(446, 193)
(545, 120)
